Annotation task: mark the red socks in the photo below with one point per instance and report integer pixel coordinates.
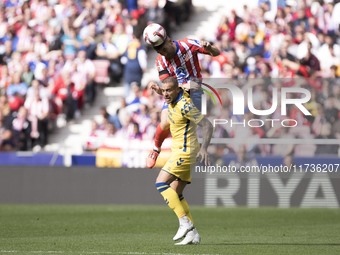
(160, 136)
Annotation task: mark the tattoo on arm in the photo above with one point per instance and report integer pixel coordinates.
(207, 130)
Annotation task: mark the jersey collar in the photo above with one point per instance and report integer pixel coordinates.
(177, 46)
(179, 96)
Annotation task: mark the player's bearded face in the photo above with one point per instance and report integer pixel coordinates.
(170, 92)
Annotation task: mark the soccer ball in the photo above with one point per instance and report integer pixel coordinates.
(154, 34)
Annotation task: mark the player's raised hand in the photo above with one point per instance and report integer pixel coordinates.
(210, 48)
(203, 157)
(206, 45)
(155, 87)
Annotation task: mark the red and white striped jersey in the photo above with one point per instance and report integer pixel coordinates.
(185, 65)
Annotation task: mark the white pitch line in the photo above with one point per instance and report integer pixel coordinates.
(14, 251)
(98, 252)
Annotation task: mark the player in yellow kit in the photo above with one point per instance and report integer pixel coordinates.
(183, 119)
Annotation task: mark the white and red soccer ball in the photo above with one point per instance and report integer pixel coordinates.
(154, 34)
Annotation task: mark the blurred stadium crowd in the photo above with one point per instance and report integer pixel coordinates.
(293, 43)
(53, 53)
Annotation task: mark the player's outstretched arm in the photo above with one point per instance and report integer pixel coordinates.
(207, 130)
(155, 87)
(210, 48)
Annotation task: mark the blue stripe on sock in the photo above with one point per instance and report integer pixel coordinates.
(158, 184)
(161, 186)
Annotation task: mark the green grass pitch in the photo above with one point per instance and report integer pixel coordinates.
(75, 230)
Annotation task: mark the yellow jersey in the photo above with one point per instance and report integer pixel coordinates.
(184, 117)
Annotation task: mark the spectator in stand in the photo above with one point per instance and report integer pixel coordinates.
(135, 133)
(17, 86)
(27, 74)
(63, 89)
(14, 64)
(137, 19)
(110, 135)
(86, 70)
(150, 129)
(5, 79)
(142, 118)
(280, 149)
(3, 25)
(5, 109)
(119, 118)
(297, 41)
(135, 98)
(113, 14)
(6, 135)
(36, 86)
(6, 51)
(155, 14)
(92, 142)
(70, 40)
(38, 110)
(25, 36)
(21, 127)
(331, 107)
(177, 13)
(243, 158)
(329, 55)
(107, 50)
(135, 61)
(326, 133)
(120, 37)
(104, 117)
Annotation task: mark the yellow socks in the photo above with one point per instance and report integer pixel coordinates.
(185, 207)
(171, 198)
